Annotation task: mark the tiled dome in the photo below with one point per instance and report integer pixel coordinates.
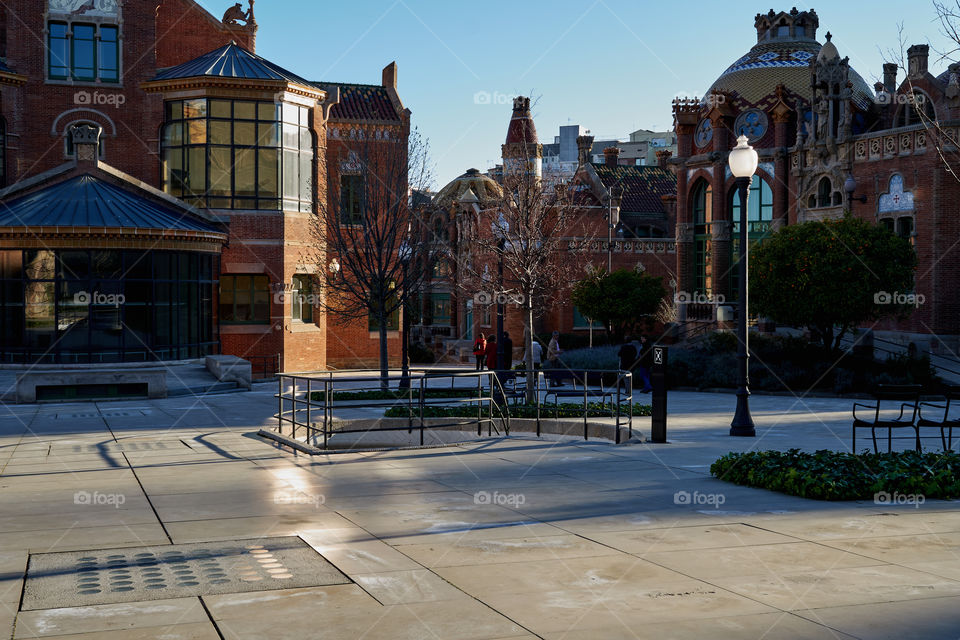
(482, 186)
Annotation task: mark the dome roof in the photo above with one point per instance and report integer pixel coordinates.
(785, 61)
(483, 187)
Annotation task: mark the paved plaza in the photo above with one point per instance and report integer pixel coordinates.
(501, 538)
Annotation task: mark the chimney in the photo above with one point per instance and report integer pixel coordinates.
(390, 75)
(917, 57)
(890, 77)
(611, 155)
(86, 143)
(584, 145)
(663, 157)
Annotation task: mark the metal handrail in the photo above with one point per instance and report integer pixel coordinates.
(299, 399)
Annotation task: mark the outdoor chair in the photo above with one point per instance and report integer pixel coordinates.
(886, 398)
(943, 422)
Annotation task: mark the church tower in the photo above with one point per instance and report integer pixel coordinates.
(522, 153)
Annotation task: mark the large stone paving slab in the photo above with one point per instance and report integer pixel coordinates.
(136, 574)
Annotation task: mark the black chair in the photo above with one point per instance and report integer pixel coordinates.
(951, 393)
(907, 395)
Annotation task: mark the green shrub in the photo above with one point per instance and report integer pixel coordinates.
(832, 475)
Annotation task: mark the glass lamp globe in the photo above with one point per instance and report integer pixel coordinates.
(743, 159)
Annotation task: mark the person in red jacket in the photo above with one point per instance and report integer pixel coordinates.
(491, 352)
(480, 351)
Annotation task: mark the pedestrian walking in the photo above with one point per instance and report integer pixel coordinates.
(480, 351)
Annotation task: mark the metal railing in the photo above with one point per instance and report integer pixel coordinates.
(307, 401)
(264, 367)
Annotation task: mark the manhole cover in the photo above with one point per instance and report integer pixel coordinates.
(133, 574)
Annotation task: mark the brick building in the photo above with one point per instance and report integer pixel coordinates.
(827, 143)
(159, 182)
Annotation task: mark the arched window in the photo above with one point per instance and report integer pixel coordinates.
(824, 189)
(917, 109)
(69, 151)
(702, 203)
(759, 216)
(702, 209)
(759, 203)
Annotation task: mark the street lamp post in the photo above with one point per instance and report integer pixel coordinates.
(613, 219)
(404, 253)
(850, 185)
(743, 164)
(500, 229)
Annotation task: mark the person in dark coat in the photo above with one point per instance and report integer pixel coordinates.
(491, 352)
(507, 351)
(644, 363)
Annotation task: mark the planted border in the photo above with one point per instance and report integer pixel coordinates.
(833, 475)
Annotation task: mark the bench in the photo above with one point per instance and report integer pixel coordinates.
(154, 381)
(907, 396)
(943, 422)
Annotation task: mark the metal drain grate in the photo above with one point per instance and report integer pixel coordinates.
(77, 579)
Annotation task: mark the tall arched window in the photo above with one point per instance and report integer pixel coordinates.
(918, 109)
(702, 209)
(824, 188)
(759, 216)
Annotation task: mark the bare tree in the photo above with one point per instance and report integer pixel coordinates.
(531, 228)
(369, 265)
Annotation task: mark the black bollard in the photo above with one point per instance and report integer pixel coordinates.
(658, 380)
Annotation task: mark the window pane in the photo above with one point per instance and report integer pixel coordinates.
(245, 171)
(267, 135)
(196, 108)
(306, 141)
(173, 176)
(220, 162)
(58, 52)
(245, 133)
(109, 55)
(220, 132)
(268, 111)
(220, 109)
(175, 110)
(197, 170)
(74, 265)
(291, 178)
(306, 178)
(291, 136)
(196, 131)
(173, 134)
(245, 110)
(40, 264)
(268, 177)
(291, 113)
(83, 54)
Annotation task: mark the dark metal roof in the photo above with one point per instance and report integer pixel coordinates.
(231, 61)
(86, 201)
(642, 186)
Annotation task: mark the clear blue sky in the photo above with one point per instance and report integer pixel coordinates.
(612, 66)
